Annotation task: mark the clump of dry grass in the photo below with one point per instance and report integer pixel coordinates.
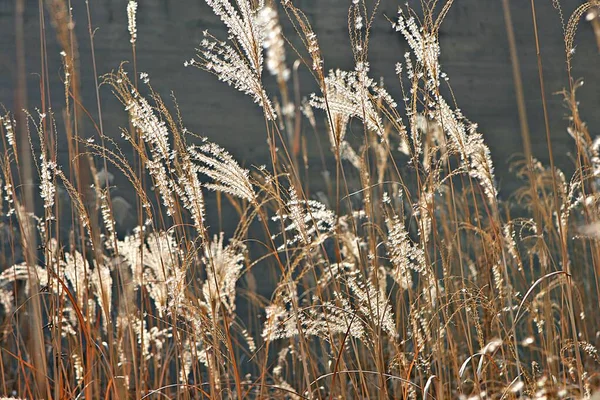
(407, 281)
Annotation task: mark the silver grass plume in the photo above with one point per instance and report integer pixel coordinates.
(405, 255)
(306, 219)
(161, 272)
(238, 63)
(172, 170)
(463, 136)
(356, 312)
(94, 284)
(223, 269)
(46, 169)
(227, 175)
(352, 95)
(131, 20)
(154, 132)
(273, 43)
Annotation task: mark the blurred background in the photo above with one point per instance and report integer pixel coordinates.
(475, 55)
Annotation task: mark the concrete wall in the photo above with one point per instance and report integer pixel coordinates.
(474, 54)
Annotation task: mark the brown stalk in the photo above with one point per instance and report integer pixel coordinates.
(563, 235)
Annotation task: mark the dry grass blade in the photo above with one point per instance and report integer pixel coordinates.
(176, 271)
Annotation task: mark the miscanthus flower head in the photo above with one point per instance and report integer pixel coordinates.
(306, 220)
(352, 95)
(228, 177)
(238, 61)
(131, 20)
(223, 269)
(463, 138)
(273, 42)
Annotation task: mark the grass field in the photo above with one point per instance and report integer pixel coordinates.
(406, 277)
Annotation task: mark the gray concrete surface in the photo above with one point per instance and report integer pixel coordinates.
(474, 54)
